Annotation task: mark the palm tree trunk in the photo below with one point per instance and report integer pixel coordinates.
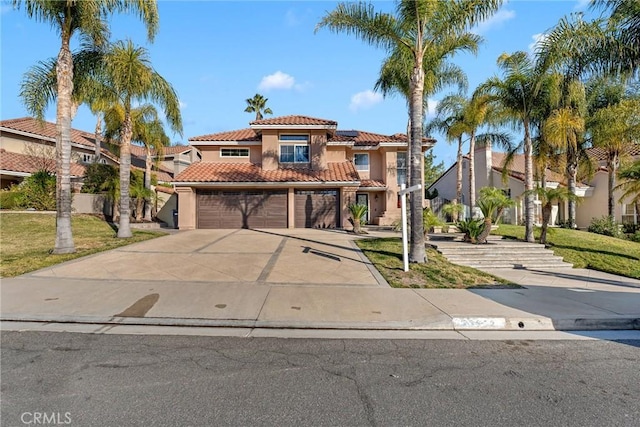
(482, 237)
(64, 69)
(546, 216)
(571, 176)
(458, 179)
(417, 252)
(147, 185)
(124, 229)
(98, 139)
(613, 170)
(472, 174)
(528, 184)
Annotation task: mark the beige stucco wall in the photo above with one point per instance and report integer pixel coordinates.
(595, 206)
(212, 154)
(336, 154)
(347, 197)
(186, 208)
(318, 150)
(167, 203)
(88, 203)
(270, 151)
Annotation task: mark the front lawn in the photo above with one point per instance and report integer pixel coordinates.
(27, 238)
(587, 250)
(386, 256)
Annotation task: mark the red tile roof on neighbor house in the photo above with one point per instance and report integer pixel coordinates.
(248, 172)
(516, 168)
(141, 151)
(293, 121)
(46, 130)
(15, 162)
(600, 154)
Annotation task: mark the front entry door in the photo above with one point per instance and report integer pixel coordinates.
(363, 199)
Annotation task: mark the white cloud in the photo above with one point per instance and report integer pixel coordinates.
(277, 80)
(183, 104)
(496, 20)
(581, 4)
(537, 38)
(365, 99)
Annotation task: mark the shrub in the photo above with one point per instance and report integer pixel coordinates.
(38, 192)
(605, 225)
(95, 177)
(635, 237)
(8, 198)
(630, 228)
(430, 220)
(472, 228)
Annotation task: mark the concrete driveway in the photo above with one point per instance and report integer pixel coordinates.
(271, 257)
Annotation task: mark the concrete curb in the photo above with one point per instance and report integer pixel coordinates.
(457, 323)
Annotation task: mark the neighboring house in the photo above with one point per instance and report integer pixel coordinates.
(292, 172)
(29, 145)
(489, 167)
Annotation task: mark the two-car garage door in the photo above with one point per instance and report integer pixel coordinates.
(266, 209)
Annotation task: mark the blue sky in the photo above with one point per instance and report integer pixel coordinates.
(216, 54)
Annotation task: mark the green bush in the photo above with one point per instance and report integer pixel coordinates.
(8, 198)
(605, 225)
(635, 237)
(38, 192)
(471, 228)
(95, 177)
(430, 220)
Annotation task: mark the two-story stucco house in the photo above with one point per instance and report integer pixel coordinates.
(292, 172)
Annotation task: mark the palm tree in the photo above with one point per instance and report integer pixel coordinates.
(517, 93)
(258, 105)
(87, 18)
(547, 197)
(450, 121)
(128, 71)
(418, 27)
(630, 185)
(613, 124)
(148, 130)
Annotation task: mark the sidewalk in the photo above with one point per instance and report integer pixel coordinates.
(567, 299)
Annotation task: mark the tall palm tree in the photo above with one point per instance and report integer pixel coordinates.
(128, 71)
(450, 121)
(615, 128)
(517, 93)
(417, 27)
(258, 105)
(148, 130)
(87, 18)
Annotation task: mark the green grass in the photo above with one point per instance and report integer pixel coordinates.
(386, 256)
(587, 250)
(26, 240)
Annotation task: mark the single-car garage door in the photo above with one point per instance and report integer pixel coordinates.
(316, 208)
(241, 209)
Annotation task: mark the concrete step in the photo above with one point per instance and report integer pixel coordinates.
(545, 265)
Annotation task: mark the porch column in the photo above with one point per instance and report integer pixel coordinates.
(291, 208)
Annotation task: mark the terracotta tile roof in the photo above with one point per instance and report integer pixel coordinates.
(293, 121)
(16, 162)
(600, 154)
(162, 176)
(46, 130)
(141, 151)
(516, 169)
(363, 138)
(166, 190)
(371, 183)
(247, 135)
(248, 172)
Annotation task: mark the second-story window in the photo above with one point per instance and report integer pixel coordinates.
(234, 152)
(401, 167)
(294, 148)
(361, 161)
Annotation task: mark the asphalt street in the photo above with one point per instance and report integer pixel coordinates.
(126, 380)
